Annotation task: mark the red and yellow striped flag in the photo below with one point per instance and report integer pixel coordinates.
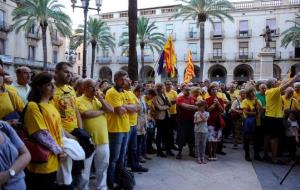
(169, 56)
(189, 71)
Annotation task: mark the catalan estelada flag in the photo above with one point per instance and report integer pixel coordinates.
(189, 71)
(168, 57)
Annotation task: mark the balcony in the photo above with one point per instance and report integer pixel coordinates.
(216, 57)
(34, 36)
(243, 34)
(172, 34)
(32, 63)
(293, 56)
(104, 59)
(123, 59)
(192, 36)
(147, 58)
(56, 40)
(195, 57)
(244, 57)
(216, 35)
(4, 27)
(7, 58)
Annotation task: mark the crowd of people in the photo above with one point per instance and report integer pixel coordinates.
(116, 125)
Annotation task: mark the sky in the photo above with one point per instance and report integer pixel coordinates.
(111, 6)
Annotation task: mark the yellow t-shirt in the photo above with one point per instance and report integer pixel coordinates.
(172, 95)
(65, 102)
(234, 95)
(10, 101)
(220, 95)
(117, 123)
(274, 103)
(205, 96)
(49, 120)
(132, 99)
(288, 104)
(249, 104)
(297, 95)
(97, 126)
(199, 98)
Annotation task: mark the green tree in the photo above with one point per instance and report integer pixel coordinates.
(292, 34)
(42, 14)
(146, 37)
(98, 35)
(201, 11)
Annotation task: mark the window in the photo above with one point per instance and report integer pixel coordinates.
(243, 50)
(243, 30)
(148, 12)
(192, 30)
(272, 25)
(78, 70)
(32, 29)
(105, 52)
(193, 47)
(147, 50)
(123, 14)
(78, 56)
(2, 47)
(54, 57)
(217, 50)
(169, 29)
(217, 29)
(2, 18)
(31, 53)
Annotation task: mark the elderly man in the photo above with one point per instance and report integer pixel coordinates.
(22, 83)
(274, 115)
(297, 91)
(289, 102)
(92, 108)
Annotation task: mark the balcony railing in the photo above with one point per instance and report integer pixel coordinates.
(216, 57)
(216, 35)
(243, 34)
(243, 57)
(4, 27)
(147, 58)
(195, 57)
(104, 59)
(56, 40)
(123, 60)
(7, 58)
(172, 34)
(34, 36)
(192, 36)
(292, 55)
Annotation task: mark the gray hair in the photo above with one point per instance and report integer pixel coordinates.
(271, 82)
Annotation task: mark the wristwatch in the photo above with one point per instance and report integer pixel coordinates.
(12, 172)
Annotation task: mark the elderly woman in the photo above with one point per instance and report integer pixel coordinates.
(289, 102)
(215, 121)
(297, 90)
(14, 157)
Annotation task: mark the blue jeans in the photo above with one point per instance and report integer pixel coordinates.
(117, 145)
(132, 148)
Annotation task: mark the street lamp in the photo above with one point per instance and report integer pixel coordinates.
(71, 56)
(85, 7)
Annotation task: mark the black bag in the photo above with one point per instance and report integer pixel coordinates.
(125, 179)
(85, 141)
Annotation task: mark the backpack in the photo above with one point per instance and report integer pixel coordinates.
(125, 179)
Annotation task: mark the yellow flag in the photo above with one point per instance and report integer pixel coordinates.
(170, 58)
(189, 71)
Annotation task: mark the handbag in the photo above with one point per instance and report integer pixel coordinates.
(39, 153)
(85, 141)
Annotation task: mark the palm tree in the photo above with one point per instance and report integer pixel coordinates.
(201, 10)
(292, 34)
(146, 37)
(132, 30)
(98, 35)
(43, 14)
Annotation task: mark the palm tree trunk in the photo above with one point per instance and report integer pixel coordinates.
(143, 62)
(132, 30)
(93, 59)
(44, 40)
(201, 50)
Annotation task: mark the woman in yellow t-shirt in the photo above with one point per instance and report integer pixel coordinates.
(42, 122)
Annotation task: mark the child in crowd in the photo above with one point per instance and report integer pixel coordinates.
(291, 132)
(201, 131)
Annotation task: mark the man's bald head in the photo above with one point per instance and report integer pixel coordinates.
(89, 87)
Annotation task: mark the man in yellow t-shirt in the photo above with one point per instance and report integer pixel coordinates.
(132, 141)
(274, 115)
(172, 96)
(92, 107)
(118, 125)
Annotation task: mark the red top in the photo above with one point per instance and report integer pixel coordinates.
(182, 113)
(214, 115)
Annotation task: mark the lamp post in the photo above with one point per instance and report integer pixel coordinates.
(86, 8)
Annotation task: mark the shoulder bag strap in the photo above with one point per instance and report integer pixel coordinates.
(291, 103)
(11, 99)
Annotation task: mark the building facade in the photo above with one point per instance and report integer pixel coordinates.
(25, 49)
(231, 48)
